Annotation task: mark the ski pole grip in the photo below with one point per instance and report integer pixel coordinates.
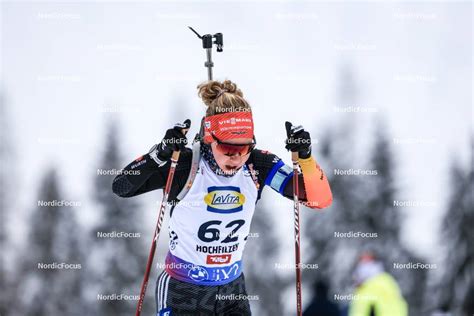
(175, 155)
(294, 156)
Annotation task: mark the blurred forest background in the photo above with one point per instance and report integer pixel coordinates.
(115, 265)
(32, 234)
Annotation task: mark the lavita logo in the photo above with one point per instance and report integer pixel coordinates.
(224, 199)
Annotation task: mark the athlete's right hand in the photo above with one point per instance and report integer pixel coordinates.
(174, 140)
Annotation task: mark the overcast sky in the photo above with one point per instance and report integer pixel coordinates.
(66, 67)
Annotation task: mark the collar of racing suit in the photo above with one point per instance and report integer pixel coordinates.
(206, 153)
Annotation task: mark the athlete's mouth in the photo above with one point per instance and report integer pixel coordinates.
(231, 169)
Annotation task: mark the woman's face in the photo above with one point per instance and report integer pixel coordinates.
(230, 164)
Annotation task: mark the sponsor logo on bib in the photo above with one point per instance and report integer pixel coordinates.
(218, 259)
(198, 273)
(225, 199)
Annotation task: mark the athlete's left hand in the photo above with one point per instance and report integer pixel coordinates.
(298, 140)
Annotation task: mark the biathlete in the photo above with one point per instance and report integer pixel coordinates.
(213, 196)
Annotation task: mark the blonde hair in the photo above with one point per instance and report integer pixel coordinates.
(222, 97)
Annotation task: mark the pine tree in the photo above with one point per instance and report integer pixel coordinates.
(5, 203)
(458, 237)
(333, 255)
(53, 240)
(261, 252)
(118, 262)
(361, 204)
(335, 153)
(381, 216)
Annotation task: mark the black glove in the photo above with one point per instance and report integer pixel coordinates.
(298, 140)
(174, 140)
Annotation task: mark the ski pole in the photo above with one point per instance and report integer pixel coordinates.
(164, 202)
(296, 208)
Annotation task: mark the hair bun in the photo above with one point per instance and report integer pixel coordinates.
(211, 90)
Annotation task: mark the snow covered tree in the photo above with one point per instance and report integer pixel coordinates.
(362, 203)
(51, 271)
(333, 255)
(5, 206)
(457, 283)
(118, 262)
(381, 216)
(261, 253)
(364, 191)
(336, 153)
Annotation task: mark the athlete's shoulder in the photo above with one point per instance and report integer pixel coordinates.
(271, 169)
(263, 158)
(263, 162)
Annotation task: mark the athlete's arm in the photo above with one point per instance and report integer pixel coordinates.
(317, 190)
(144, 175)
(314, 190)
(150, 171)
(316, 186)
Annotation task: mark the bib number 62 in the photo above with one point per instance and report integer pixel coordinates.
(207, 233)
